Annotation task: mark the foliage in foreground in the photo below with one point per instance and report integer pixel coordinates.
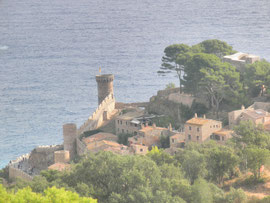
(26, 195)
(156, 177)
(194, 174)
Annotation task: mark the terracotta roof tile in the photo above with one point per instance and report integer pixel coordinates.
(150, 128)
(197, 121)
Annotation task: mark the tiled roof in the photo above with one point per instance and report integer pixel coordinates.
(198, 121)
(98, 137)
(150, 128)
(59, 166)
(178, 135)
(223, 132)
(256, 114)
(98, 144)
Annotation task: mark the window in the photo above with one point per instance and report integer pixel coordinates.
(198, 137)
(210, 126)
(118, 121)
(189, 137)
(127, 131)
(217, 126)
(136, 125)
(213, 126)
(118, 130)
(172, 140)
(123, 131)
(222, 138)
(141, 150)
(121, 122)
(126, 122)
(189, 127)
(135, 133)
(198, 129)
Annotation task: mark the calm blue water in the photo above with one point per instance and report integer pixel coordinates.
(50, 52)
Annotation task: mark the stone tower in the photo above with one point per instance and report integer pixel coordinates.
(105, 86)
(70, 134)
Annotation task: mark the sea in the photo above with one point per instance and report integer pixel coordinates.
(50, 52)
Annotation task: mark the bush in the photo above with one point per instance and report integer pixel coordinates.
(170, 86)
(123, 138)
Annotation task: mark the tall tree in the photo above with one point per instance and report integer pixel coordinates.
(193, 63)
(221, 160)
(220, 81)
(193, 164)
(169, 60)
(256, 158)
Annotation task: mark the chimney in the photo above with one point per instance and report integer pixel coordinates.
(170, 127)
(242, 107)
(195, 115)
(204, 116)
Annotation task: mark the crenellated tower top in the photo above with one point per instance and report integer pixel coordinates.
(105, 86)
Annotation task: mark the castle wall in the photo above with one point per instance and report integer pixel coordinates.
(96, 120)
(61, 156)
(43, 156)
(81, 147)
(17, 173)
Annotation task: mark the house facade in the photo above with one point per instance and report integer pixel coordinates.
(200, 129)
(258, 116)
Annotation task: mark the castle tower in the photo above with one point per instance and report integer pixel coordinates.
(105, 86)
(70, 134)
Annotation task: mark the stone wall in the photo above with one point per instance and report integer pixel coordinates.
(96, 120)
(43, 156)
(17, 173)
(169, 102)
(81, 147)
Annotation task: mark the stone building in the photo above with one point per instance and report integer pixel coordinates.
(149, 136)
(128, 122)
(138, 149)
(239, 60)
(177, 140)
(258, 116)
(222, 135)
(200, 129)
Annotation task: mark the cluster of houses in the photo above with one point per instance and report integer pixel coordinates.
(146, 134)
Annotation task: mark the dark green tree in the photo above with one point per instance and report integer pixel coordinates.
(193, 164)
(219, 82)
(256, 158)
(169, 59)
(213, 46)
(256, 75)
